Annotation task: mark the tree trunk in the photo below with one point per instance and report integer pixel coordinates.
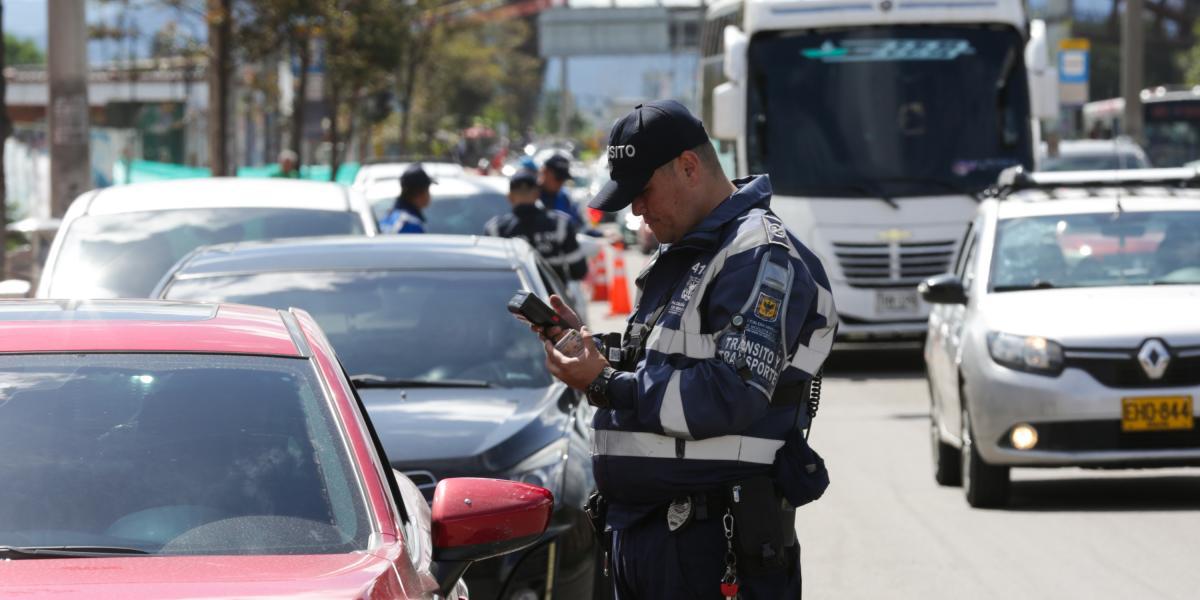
(220, 34)
(335, 103)
(4, 127)
(298, 99)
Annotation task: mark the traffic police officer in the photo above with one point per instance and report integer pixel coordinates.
(407, 215)
(554, 175)
(548, 231)
(700, 453)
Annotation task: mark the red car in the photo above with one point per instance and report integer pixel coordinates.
(169, 450)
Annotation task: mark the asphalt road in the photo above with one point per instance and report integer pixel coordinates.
(885, 529)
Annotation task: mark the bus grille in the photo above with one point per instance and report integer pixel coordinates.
(892, 265)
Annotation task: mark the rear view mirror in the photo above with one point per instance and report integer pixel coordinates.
(943, 289)
(474, 519)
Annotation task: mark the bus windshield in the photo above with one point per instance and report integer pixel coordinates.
(887, 111)
(1172, 132)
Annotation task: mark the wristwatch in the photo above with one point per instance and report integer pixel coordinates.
(597, 390)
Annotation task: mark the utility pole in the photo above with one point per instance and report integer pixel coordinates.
(220, 32)
(564, 101)
(4, 130)
(1133, 61)
(66, 62)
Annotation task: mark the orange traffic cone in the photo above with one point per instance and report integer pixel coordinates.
(598, 273)
(618, 297)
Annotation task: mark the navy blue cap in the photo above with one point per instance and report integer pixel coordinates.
(415, 177)
(523, 177)
(559, 165)
(651, 136)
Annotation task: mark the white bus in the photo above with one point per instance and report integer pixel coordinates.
(879, 122)
(1171, 119)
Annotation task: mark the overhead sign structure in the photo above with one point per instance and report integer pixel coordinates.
(1074, 65)
(601, 32)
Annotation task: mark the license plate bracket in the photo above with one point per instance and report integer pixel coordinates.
(1156, 413)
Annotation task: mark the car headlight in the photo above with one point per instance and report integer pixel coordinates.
(1029, 353)
(544, 468)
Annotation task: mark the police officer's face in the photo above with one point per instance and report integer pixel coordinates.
(662, 205)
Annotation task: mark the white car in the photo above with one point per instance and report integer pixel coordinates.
(1068, 334)
(1094, 155)
(117, 242)
(375, 172)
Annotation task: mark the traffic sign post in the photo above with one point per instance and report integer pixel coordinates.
(1074, 65)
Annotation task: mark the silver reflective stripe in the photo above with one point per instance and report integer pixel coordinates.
(492, 227)
(670, 412)
(809, 357)
(566, 259)
(751, 234)
(641, 444)
(560, 234)
(692, 345)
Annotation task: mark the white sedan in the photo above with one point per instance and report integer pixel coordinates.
(1068, 334)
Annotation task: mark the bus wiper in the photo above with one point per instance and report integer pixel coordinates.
(371, 380)
(23, 552)
(857, 187)
(942, 183)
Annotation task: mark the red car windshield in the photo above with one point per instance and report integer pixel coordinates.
(174, 454)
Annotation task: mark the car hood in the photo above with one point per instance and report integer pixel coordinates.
(470, 431)
(354, 575)
(1099, 317)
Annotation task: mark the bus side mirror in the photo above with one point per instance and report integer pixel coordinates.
(736, 43)
(1043, 78)
(729, 111)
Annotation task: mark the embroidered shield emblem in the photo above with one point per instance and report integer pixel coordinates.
(679, 513)
(768, 307)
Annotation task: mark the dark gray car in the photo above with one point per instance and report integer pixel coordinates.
(454, 385)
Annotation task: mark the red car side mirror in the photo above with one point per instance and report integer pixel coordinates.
(475, 518)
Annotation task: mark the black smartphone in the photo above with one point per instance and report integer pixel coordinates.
(531, 308)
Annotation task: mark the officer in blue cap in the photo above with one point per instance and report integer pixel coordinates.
(407, 214)
(701, 452)
(548, 231)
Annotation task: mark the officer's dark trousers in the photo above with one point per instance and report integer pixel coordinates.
(650, 562)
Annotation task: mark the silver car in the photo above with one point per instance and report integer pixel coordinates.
(1068, 333)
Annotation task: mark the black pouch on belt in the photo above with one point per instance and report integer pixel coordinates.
(763, 526)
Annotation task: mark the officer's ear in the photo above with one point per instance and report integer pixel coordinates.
(690, 168)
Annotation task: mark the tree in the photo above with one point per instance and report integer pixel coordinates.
(21, 51)
(220, 64)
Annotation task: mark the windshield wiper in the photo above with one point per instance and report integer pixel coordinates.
(1036, 285)
(942, 183)
(371, 380)
(22, 552)
(860, 188)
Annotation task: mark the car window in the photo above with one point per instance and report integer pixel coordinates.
(401, 325)
(967, 239)
(125, 255)
(1095, 162)
(174, 454)
(453, 214)
(1101, 249)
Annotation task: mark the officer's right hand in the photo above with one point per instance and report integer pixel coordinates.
(565, 312)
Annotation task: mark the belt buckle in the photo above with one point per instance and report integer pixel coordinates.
(679, 513)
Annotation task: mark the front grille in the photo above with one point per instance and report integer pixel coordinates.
(894, 265)
(1126, 372)
(1083, 436)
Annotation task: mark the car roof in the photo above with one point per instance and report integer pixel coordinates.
(462, 185)
(372, 172)
(1098, 147)
(416, 252)
(1061, 201)
(57, 326)
(218, 192)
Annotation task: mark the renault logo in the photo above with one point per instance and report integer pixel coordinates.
(1154, 358)
(895, 235)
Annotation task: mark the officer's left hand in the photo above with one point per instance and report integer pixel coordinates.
(578, 371)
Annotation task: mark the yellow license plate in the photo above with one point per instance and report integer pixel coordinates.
(1156, 413)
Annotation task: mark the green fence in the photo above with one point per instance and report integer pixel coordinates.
(139, 171)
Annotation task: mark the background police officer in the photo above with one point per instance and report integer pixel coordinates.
(548, 231)
(407, 215)
(699, 449)
(553, 177)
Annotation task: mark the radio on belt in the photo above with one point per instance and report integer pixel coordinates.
(528, 307)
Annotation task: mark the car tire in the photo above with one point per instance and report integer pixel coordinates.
(947, 466)
(985, 486)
